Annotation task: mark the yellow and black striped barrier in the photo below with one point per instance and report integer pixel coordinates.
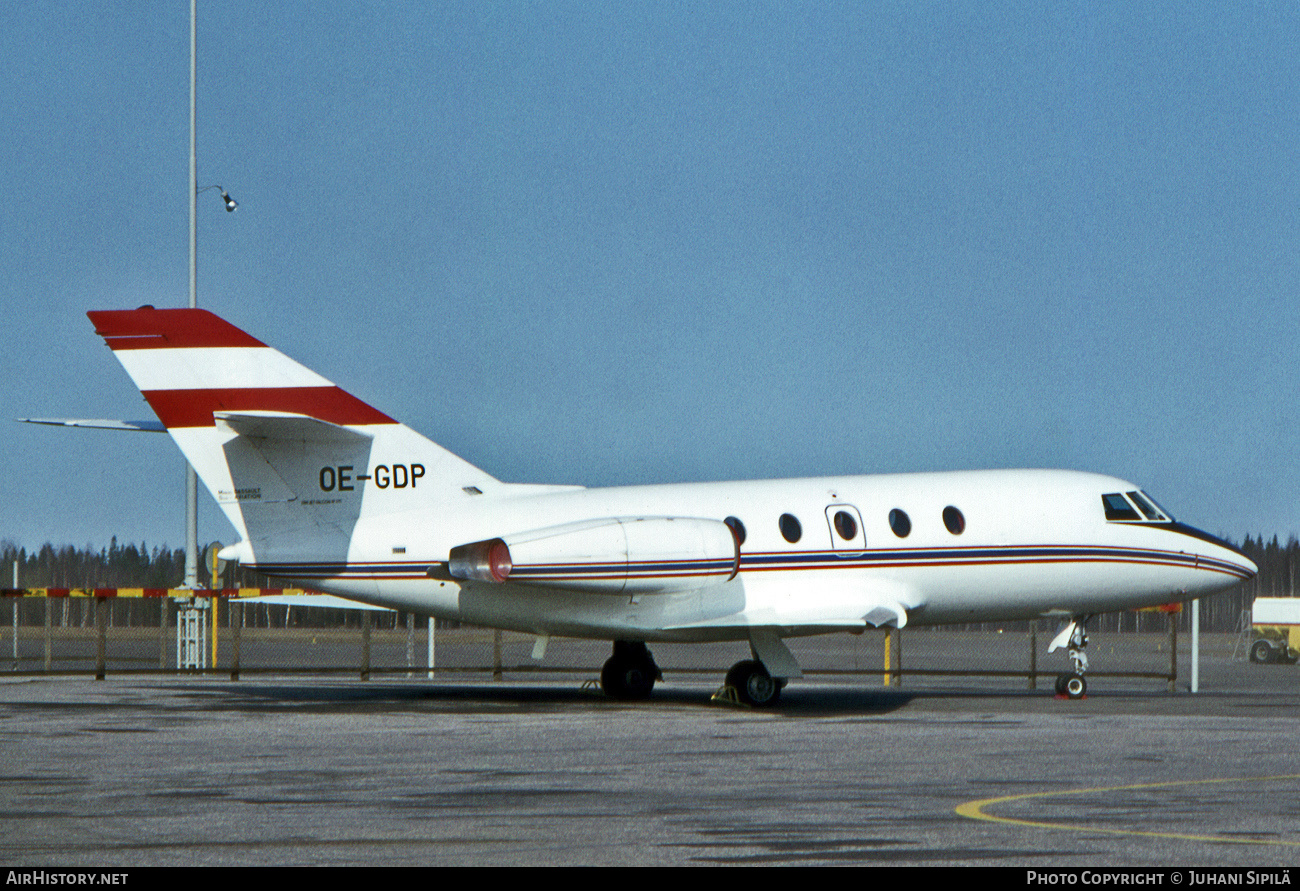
(174, 593)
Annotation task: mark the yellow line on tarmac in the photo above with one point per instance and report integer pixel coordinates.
(974, 810)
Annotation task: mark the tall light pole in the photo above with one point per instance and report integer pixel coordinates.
(191, 480)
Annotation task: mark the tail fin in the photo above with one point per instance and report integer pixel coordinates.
(281, 449)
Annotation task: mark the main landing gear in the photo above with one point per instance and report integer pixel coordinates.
(630, 673)
(753, 684)
(1073, 685)
(758, 682)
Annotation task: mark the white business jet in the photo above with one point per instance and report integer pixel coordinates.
(333, 494)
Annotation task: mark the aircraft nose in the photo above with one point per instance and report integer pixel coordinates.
(1233, 555)
(1248, 566)
(1215, 553)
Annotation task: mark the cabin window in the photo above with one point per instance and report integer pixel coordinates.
(791, 530)
(737, 529)
(1118, 508)
(846, 525)
(953, 520)
(900, 522)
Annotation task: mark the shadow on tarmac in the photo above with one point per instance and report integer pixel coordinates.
(353, 697)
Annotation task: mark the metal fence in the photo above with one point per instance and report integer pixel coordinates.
(78, 632)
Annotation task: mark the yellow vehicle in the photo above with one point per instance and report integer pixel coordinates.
(1275, 622)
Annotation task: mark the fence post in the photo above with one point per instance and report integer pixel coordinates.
(430, 661)
(101, 622)
(164, 613)
(1173, 651)
(898, 655)
(234, 635)
(15, 599)
(1033, 655)
(365, 645)
(496, 655)
(49, 642)
(410, 643)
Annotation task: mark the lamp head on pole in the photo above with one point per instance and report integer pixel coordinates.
(231, 203)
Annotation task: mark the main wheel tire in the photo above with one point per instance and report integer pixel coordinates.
(626, 680)
(1060, 684)
(753, 684)
(1262, 651)
(1075, 686)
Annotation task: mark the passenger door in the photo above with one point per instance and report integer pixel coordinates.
(847, 536)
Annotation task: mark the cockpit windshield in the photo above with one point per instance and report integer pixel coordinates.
(1133, 507)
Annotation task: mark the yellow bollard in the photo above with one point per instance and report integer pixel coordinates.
(889, 640)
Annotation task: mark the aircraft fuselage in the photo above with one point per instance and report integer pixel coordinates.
(1022, 544)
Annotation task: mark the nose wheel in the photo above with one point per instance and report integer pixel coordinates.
(1073, 685)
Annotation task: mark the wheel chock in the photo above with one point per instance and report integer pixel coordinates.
(727, 695)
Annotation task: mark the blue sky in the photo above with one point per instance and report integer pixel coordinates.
(655, 242)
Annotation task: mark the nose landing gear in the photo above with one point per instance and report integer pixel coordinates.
(1073, 685)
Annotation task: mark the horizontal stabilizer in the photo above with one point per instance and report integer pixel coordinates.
(100, 424)
(286, 427)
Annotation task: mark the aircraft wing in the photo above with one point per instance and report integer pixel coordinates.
(845, 604)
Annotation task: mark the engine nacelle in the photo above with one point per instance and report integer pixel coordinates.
(641, 555)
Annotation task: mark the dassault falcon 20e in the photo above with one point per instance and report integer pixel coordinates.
(333, 494)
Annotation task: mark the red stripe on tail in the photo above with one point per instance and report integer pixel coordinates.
(153, 329)
(194, 408)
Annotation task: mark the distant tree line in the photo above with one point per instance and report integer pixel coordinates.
(116, 566)
(138, 566)
(1279, 565)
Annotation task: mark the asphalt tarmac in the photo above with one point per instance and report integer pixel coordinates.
(298, 770)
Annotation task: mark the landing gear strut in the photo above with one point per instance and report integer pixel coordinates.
(630, 673)
(1073, 684)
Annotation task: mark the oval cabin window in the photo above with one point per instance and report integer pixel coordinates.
(900, 522)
